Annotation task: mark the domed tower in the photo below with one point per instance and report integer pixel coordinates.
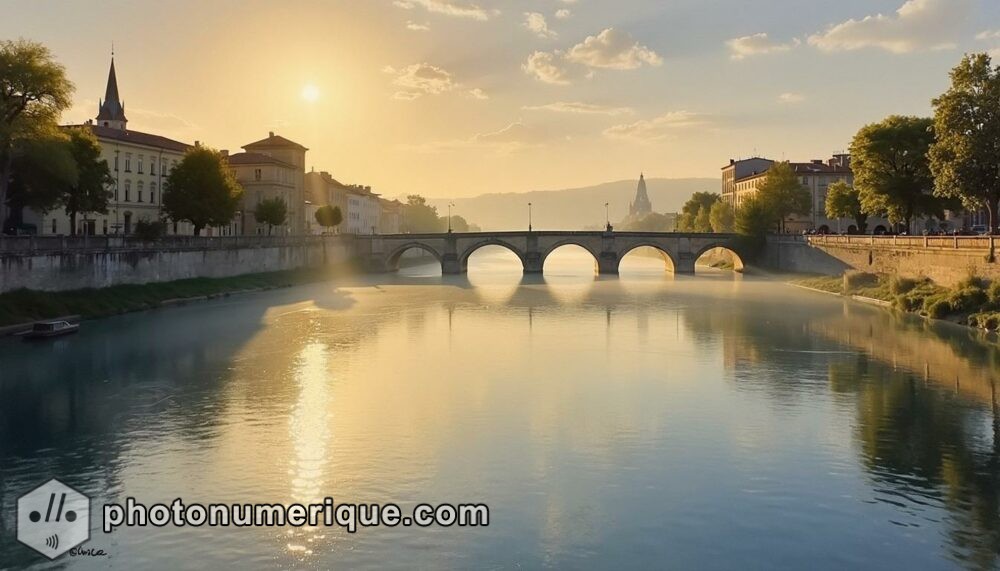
(112, 110)
(641, 206)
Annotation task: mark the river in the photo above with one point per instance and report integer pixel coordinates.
(702, 422)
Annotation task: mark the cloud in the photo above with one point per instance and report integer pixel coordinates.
(417, 27)
(537, 24)
(988, 35)
(456, 8)
(613, 49)
(477, 93)
(791, 98)
(579, 108)
(757, 44)
(916, 25)
(548, 67)
(563, 14)
(422, 79)
(657, 128)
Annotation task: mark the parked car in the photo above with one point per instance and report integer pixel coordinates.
(980, 230)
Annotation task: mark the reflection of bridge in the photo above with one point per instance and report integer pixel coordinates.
(381, 253)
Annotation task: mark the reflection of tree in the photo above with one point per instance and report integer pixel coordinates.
(923, 444)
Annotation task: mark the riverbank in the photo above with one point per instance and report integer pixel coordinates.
(25, 306)
(973, 302)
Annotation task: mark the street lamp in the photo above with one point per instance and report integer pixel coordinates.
(607, 216)
(449, 216)
(529, 217)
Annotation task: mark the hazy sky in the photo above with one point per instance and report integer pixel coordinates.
(462, 97)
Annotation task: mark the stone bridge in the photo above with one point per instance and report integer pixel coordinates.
(381, 253)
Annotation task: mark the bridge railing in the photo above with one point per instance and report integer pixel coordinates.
(54, 244)
(939, 242)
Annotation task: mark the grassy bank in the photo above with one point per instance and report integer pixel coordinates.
(974, 302)
(22, 306)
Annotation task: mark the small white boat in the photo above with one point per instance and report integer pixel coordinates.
(46, 329)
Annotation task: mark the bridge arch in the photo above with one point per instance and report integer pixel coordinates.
(728, 247)
(392, 261)
(669, 259)
(463, 258)
(570, 242)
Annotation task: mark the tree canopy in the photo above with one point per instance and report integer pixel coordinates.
(271, 211)
(844, 201)
(202, 190)
(722, 217)
(965, 158)
(420, 217)
(782, 195)
(891, 169)
(691, 218)
(90, 192)
(329, 216)
(34, 90)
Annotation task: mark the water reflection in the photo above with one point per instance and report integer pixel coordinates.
(608, 422)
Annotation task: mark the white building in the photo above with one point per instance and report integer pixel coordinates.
(139, 163)
(360, 207)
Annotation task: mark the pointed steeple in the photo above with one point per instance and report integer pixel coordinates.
(641, 205)
(112, 112)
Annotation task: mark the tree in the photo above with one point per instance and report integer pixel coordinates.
(783, 195)
(965, 158)
(891, 169)
(420, 217)
(202, 190)
(33, 92)
(722, 217)
(755, 218)
(271, 211)
(458, 223)
(652, 222)
(41, 169)
(844, 201)
(688, 219)
(329, 216)
(90, 192)
(703, 222)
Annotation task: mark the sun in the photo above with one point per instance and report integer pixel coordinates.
(310, 93)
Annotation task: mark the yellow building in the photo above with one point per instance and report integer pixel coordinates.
(272, 168)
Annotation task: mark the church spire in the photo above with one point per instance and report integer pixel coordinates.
(641, 205)
(112, 111)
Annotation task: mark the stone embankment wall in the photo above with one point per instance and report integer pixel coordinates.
(54, 264)
(944, 259)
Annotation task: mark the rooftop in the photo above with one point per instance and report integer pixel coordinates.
(135, 137)
(274, 141)
(256, 159)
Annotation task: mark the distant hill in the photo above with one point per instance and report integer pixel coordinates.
(574, 208)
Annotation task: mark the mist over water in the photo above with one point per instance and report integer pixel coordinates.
(712, 422)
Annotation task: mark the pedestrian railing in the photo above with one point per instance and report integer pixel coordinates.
(939, 242)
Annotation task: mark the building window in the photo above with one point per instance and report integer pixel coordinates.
(152, 166)
(256, 174)
(104, 226)
(116, 161)
(163, 166)
(138, 191)
(128, 190)
(116, 190)
(128, 162)
(152, 193)
(55, 225)
(140, 164)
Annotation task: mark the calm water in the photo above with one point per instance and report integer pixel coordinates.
(709, 422)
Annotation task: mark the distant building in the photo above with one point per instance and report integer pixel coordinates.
(390, 217)
(641, 206)
(139, 163)
(359, 206)
(271, 168)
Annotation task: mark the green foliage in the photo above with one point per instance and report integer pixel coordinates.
(329, 216)
(691, 218)
(34, 90)
(754, 218)
(149, 230)
(91, 191)
(271, 211)
(652, 222)
(42, 167)
(993, 294)
(938, 308)
(891, 169)
(899, 285)
(782, 195)
(202, 190)
(420, 217)
(964, 156)
(844, 201)
(722, 217)
(967, 298)
(856, 280)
